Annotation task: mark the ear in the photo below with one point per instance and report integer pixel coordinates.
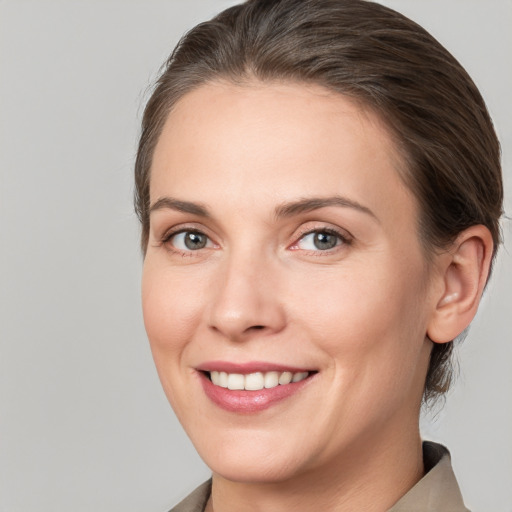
(464, 271)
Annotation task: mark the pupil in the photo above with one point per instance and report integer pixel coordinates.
(195, 241)
(325, 241)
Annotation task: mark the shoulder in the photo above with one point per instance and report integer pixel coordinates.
(195, 501)
(438, 489)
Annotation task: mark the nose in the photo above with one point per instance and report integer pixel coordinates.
(246, 299)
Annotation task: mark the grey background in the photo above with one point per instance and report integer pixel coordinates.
(83, 423)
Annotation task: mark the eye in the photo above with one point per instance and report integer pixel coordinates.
(320, 240)
(189, 241)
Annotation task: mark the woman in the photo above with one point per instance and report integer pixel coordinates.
(319, 189)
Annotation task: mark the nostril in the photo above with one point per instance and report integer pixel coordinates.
(257, 327)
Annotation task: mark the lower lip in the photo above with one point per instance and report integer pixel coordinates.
(243, 401)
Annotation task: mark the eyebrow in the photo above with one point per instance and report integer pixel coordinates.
(180, 206)
(285, 210)
(314, 203)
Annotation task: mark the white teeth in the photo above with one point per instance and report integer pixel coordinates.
(285, 378)
(219, 379)
(223, 379)
(271, 379)
(236, 381)
(255, 381)
(299, 376)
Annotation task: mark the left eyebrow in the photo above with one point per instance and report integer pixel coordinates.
(314, 203)
(181, 206)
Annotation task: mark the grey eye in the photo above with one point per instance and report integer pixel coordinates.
(320, 241)
(195, 241)
(190, 241)
(325, 241)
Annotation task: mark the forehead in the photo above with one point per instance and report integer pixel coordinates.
(267, 142)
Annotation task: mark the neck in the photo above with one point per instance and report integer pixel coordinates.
(370, 477)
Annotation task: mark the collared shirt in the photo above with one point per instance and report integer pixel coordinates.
(437, 491)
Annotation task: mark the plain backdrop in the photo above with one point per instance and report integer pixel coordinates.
(84, 425)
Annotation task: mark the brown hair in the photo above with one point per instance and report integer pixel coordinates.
(382, 59)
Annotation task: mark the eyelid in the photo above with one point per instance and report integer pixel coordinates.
(180, 228)
(183, 231)
(344, 236)
(165, 239)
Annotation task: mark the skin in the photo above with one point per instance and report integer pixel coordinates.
(260, 290)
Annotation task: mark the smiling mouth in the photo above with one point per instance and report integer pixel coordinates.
(252, 387)
(256, 381)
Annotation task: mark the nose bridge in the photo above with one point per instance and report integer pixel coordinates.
(245, 296)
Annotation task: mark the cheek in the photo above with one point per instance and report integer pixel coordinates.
(373, 337)
(370, 317)
(171, 306)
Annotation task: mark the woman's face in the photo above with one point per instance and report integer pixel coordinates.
(283, 244)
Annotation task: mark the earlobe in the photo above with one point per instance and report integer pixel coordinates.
(464, 272)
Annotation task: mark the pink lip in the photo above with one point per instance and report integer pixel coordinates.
(242, 401)
(249, 367)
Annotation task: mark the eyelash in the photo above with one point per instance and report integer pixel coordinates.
(343, 239)
(166, 239)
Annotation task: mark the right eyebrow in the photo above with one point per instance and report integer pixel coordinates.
(180, 206)
(309, 204)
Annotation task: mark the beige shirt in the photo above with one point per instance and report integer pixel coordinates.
(437, 491)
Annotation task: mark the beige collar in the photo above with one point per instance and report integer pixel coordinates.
(438, 489)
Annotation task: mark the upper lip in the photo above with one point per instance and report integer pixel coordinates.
(248, 367)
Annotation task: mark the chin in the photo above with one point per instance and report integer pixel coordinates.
(260, 470)
(246, 458)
